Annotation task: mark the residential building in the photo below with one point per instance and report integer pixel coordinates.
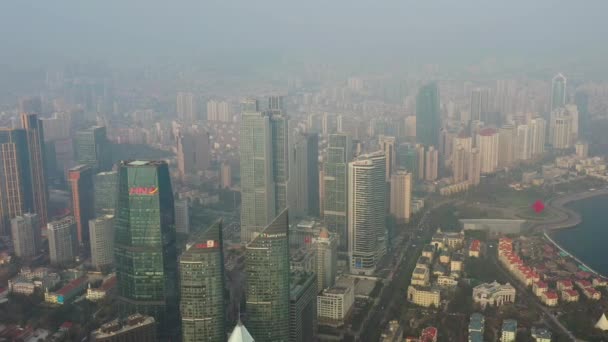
(92, 148)
(367, 209)
(202, 287)
(303, 307)
(26, 235)
(432, 164)
(480, 105)
(569, 296)
(335, 186)
(65, 294)
(144, 244)
(487, 141)
(101, 233)
(326, 258)
(424, 296)
(62, 241)
(83, 207)
(494, 294)
(476, 327)
(136, 327)
(428, 115)
(388, 146)
(474, 167)
(401, 195)
(187, 107)
(541, 334)
(459, 164)
(507, 138)
(582, 149)
(267, 289)
(561, 132)
(538, 127)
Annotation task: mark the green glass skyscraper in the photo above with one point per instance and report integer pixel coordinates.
(144, 244)
(91, 147)
(264, 167)
(267, 290)
(201, 273)
(428, 115)
(106, 191)
(335, 177)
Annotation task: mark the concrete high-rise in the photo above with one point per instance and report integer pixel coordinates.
(303, 191)
(507, 137)
(431, 164)
(561, 132)
(83, 206)
(193, 152)
(303, 307)
(388, 146)
(480, 102)
(264, 167)
(538, 127)
(401, 195)
(367, 209)
(25, 231)
(524, 142)
(92, 148)
(62, 241)
(326, 258)
(459, 164)
(106, 192)
(144, 244)
(407, 158)
(187, 110)
(35, 140)
(202, 286)
(335, 186)
(267, 290)
(15, 177)
(474, 173)
(581, 149)
(428, 115)
(101, 233)
(421, 161)
(558, 92)
(487, 143)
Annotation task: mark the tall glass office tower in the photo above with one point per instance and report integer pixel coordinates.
(264, 167)
(267, 290)
(144, 244)
(428, 115)
(335, 184)
(201, 274)
(92, 148)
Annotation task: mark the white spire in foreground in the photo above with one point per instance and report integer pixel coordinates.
(602, 323)
(240, 334)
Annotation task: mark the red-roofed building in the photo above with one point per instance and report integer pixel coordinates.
(570, 295)
(581, 284)
(564, 284)
(66, 325)
(68, 292)
(539, 288)
(108, 285)
(599, 282)
(592, 293)
(475, 249)
(428, 334)
(488, 131)
(549, 298)
(583, 275)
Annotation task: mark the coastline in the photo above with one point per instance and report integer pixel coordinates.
(569, 219)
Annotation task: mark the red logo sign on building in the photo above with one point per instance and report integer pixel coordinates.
(143, 190)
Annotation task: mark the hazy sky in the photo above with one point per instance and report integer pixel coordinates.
(435, 30)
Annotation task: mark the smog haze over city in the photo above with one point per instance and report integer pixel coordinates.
(303, 171)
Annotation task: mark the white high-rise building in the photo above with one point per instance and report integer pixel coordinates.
(487, 142)
(25, 231)
(62, 241)
(432, 164)
(582, 149)
(524, 142)
(459, 164)
(401, 195)
(186, 107)
(480, 102)
(506, 145)
(561, 134)
(538, 127)
(182, 216)
(219, 111)
(465, 141)
(474, 174)
(101, 232)
(366, 212)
